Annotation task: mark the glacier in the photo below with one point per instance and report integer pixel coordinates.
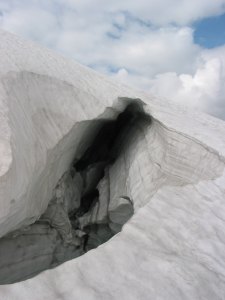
(161, 197)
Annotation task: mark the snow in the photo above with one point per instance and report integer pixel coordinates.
(173, 170)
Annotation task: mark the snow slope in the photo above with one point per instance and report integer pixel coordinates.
(173, 170)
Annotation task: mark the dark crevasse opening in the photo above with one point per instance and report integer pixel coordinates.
(80, 216)
(108, 141)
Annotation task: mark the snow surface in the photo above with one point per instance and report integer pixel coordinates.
(173, 246)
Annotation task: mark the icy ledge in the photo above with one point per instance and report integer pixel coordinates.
(169, 171)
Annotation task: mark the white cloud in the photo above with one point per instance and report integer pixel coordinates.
(204, 90)
(32, 24)
(159, 12)
(140, 50)
(148, 44)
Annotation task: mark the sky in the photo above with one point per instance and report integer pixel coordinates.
(171, 48)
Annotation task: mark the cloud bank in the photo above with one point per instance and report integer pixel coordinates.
(147, 44)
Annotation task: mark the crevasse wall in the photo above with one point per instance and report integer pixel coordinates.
(48, 120)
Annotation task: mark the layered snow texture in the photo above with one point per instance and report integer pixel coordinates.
(172, 169)
(88, 206)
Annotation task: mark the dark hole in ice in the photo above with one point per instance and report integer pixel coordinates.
(68, 230)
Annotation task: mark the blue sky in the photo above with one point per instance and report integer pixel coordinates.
(210, 32)
(171, 48)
